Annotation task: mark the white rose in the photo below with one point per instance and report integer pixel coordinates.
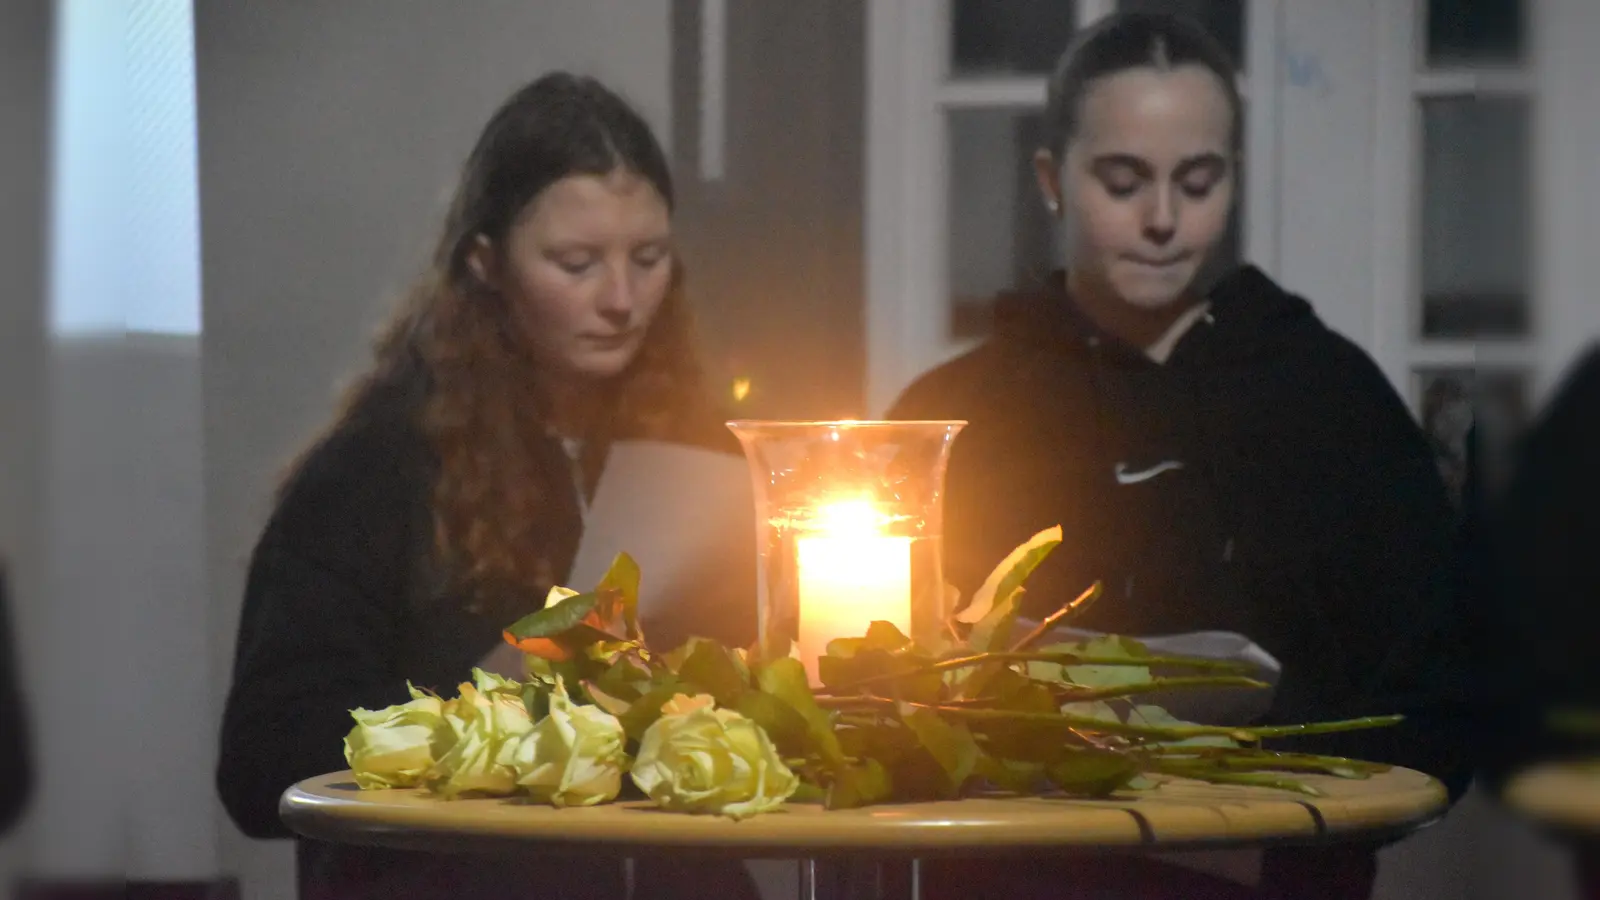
(480, 725)
(573, 757)
(393, 747)
(712, 761)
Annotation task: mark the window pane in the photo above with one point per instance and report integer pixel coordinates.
(1010, 36)
(1463, 32)
(1001, 236)
(1475, 217)
(1223, 18)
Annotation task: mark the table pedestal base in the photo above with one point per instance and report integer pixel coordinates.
(853, 879)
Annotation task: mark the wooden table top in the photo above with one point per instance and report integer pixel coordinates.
(1563, 795)
(1178, 814)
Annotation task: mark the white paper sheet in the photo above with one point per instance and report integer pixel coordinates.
(1211, 707)
(687, 516)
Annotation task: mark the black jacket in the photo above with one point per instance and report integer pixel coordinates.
(1540, 582)
(16, 757)
(344, 602)
(1266, 480)
(341, 608)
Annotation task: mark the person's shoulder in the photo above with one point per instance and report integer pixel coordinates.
(945, 391)
(1580, 387)
(366, 444)
(369, 468)
(1569, 425)
(1257, 310)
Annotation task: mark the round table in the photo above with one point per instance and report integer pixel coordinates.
(1176, 815)
(1564, 796)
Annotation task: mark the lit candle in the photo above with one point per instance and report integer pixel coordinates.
(851, 574)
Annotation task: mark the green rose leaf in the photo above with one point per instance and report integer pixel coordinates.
(809, 793)
(621, 583)
(1099, 710)
(1149, 714)
(787, 728)
(885, 740)
(786, 680)
(950, 744)
(647, 709)
(1011, 690)
(1021, 740)
(855, 786)
(904, 675)
(624, 679)
(880, 636)
(713, 669)
(616, 706)
(1092, 773)
(555, 620)
(1011, 775)
(992, 611)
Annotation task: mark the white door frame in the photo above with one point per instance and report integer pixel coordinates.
(1565, 130)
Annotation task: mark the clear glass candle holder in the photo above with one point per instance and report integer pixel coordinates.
(849, 528)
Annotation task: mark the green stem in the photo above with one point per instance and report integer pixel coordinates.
(1081, 602)
(1246, 761)
(1157, 685)
(1267, 758)
(1079, 694)
(1106, 726)
(1066, 659)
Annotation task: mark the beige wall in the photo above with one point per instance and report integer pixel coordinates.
(774, 248)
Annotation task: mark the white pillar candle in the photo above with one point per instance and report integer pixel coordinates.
(851, 574)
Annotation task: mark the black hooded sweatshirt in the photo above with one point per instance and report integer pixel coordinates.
(345, 602)
(1265, 480)
(16, 755)
(1540, 583)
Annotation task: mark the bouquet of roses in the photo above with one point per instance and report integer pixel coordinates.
(706, 728)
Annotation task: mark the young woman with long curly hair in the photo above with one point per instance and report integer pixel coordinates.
(447, 495)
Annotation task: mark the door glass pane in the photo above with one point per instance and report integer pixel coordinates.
(1223, 18)
(1466, 32)
(991, 37)
(1475, 217)
(1001, 235)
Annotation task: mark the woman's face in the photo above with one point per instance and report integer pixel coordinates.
(585, 266)
(1148, 181)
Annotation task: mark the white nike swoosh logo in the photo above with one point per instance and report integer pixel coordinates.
(1126, 477)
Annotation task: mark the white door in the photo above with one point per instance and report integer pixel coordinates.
(1460, 303)
(1488, 163)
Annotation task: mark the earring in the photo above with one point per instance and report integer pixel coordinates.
(1053, 205)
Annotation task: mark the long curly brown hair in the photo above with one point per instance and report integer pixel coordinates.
(483, 409)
